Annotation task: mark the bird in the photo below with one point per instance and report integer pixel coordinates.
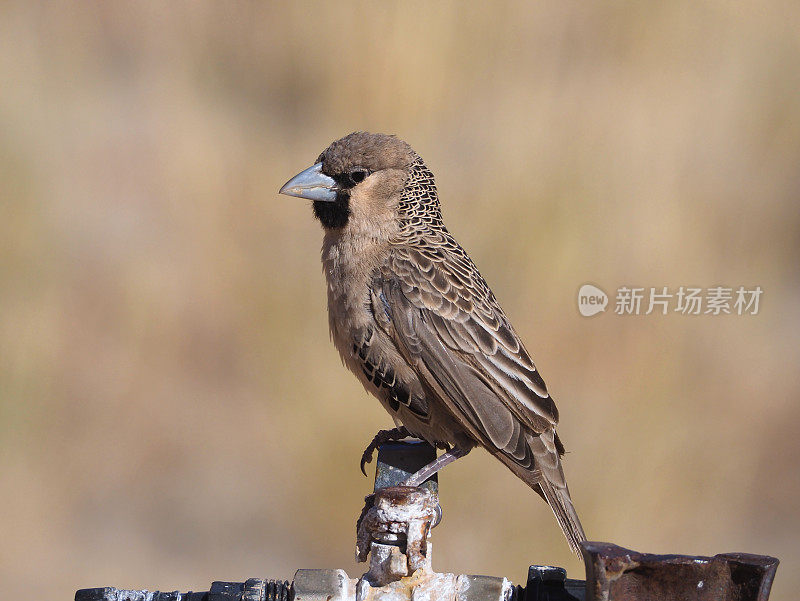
(414, 320)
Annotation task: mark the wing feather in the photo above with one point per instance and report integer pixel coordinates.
(456, 306)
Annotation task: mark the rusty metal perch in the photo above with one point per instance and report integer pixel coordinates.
(393, 532)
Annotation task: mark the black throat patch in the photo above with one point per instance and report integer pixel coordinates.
(333, 215)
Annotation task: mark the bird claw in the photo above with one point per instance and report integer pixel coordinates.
(381, 437)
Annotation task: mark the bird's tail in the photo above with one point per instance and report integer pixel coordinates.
(546, 477)
(561, 504)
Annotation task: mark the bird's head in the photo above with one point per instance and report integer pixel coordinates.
(360, 177)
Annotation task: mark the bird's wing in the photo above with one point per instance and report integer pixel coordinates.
(379, 372)
(445, 319)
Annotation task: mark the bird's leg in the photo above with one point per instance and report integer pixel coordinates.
(381, 437)
(429, 470)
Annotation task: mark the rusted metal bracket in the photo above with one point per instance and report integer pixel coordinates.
(620, 574)
(393, 532)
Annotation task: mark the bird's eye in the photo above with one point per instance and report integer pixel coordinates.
(358, 175)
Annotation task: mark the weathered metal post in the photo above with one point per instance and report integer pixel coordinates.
(394, 531)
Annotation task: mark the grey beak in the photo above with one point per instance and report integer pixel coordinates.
(311, 184)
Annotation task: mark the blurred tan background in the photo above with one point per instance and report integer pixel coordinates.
(171, 410)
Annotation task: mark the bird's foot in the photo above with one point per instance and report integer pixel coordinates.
(381, 437)
(429, 470)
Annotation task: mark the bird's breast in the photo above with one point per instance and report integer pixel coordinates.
(349, 263)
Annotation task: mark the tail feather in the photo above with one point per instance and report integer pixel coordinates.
(548, 481)
(561, 504)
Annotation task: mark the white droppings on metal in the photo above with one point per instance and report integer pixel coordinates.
(400, 517)
(394, 532)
